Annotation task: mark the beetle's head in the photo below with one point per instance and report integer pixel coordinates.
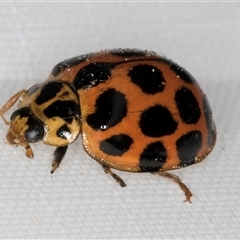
(47, 112)
(25, 128)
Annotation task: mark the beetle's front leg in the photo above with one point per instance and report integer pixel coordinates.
(10, 103)
(58, 156)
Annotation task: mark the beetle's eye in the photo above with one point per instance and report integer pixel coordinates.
(35, 128)
(35, 131)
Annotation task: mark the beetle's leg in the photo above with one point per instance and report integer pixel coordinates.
(10, 103)
(29, 152)
(12, 140)
(114, 175)
(57, 157)
(177, 180)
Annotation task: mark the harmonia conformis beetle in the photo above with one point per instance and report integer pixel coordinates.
(135, 111)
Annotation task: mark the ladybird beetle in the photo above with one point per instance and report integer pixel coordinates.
(136, 111)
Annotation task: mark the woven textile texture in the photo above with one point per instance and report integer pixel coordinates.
(79, 200)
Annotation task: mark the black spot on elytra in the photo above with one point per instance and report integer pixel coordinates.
(48, 92)
(187, 106)
(153, 157)
(63, 132)
(188, 146)
(209, 120)
(116, 145)
(67, 110)
(111, 108)
(157, 121)
(149, 78)
(92, 75)
(127, 52)
(182, 73)
(68, 63)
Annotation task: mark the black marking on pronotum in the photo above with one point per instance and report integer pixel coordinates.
(49, 91)
(66, 110)
(63, 132)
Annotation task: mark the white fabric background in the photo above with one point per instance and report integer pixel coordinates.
(80, 200)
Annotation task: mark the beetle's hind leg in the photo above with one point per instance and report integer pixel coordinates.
(177, 180)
